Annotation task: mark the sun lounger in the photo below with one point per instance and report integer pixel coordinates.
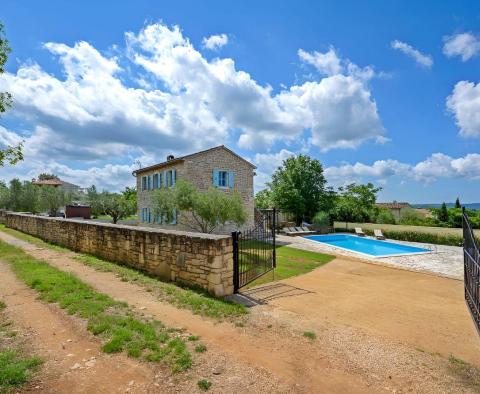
(378, 234)
(306, 230)
(292, 231)
(359, 232)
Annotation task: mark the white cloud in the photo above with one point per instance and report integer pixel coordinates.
(464, 45)
(215, 42)
(421, 58)
(464, 103)
(436, 166)
(99, 112)
(327, 63)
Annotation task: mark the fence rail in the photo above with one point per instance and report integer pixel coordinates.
(471, 260)
(254, 251)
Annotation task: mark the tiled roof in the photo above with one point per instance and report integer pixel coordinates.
(50, 182)
(393, 205)
(180, 158)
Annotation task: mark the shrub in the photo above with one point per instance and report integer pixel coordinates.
(412, 218)
(322, 219)
(385, 216)
(413, 236)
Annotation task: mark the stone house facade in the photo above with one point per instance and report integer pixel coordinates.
(396, 208)
(216, 167)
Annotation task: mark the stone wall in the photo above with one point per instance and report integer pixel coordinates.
(197, 259)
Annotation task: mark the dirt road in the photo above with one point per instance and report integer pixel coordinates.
(349, 355)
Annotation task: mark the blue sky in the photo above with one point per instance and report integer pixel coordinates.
(384, 92)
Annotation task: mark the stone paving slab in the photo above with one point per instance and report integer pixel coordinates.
(442, 260)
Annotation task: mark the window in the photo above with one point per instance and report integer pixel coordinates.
(144, 183)
(155, 181)
(223, 178)
(170, 177)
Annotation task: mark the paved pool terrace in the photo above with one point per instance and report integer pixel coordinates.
(443, 260)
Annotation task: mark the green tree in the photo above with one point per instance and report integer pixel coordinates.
(442, 214)
(299, 187)
(93, 199)
(15, 193)
(9, 154)
(4, 195)
(130, 193)
(46, 176)
(457, 203)
(117, 206)
(207, 210)
(322, 219)
(356, 202)
(52, 198)
(29, 197)
(263, 199)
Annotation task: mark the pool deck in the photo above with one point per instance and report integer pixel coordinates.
(444, 260)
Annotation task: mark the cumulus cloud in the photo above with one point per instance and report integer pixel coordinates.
(434, 167)
(172, 99)
(215, 42)
(464, 45)
(464, 104)
(327, 63)
(421, 58)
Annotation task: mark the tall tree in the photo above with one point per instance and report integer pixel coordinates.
(29, 197)
(15, 193)
(263, 199)
(299, 186)
(356, 202)
(53, 198)
(8, 154)
(442, 214)
(457, 203)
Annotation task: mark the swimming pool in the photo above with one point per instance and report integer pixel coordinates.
(366, 246)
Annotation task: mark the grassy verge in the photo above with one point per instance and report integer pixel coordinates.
(196, 300)
(467, 373)
(293, 262)
(16, 367)
(119, 327)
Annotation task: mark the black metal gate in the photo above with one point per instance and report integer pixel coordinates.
(471, 261)
(254, 251)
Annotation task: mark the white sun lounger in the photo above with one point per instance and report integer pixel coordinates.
(359, 232)
(378, 234)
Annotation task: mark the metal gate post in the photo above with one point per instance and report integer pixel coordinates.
(236, 273)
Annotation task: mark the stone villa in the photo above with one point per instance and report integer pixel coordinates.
(218, 167)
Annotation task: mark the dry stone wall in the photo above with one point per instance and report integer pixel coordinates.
(197, 259)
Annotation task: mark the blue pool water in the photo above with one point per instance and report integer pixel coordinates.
(371, 247)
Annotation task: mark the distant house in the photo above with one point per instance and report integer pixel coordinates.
(215, 167)
(396, 208)
(56, 182)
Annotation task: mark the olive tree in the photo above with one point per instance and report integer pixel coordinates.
(207, 210)
(117, 206)
(52, 198)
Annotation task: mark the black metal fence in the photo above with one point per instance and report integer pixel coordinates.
(471, 260)
(254, 250)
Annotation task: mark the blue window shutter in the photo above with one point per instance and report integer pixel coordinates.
(174, 177)
(149, 182)
(231, 179)
(174, 216)
(149, 215)
(165, 177)
(216, 179)
(160, 180)
(144, 183)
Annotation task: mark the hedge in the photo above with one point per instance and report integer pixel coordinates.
(413, 236)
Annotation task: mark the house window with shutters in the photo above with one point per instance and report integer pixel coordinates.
(223, 179)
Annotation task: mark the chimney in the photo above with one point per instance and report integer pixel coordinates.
(170, 157)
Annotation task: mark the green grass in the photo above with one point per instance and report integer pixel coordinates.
(310, 335)
(196, 300)
(106, 217)
(200, 348)
(15, 370)
(204, 384)
(469, 374)
(293, 262)
(115, 322)
(2, 305)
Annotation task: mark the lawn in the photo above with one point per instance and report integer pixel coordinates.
(403, 228)
(293, 262)
(106, 217)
